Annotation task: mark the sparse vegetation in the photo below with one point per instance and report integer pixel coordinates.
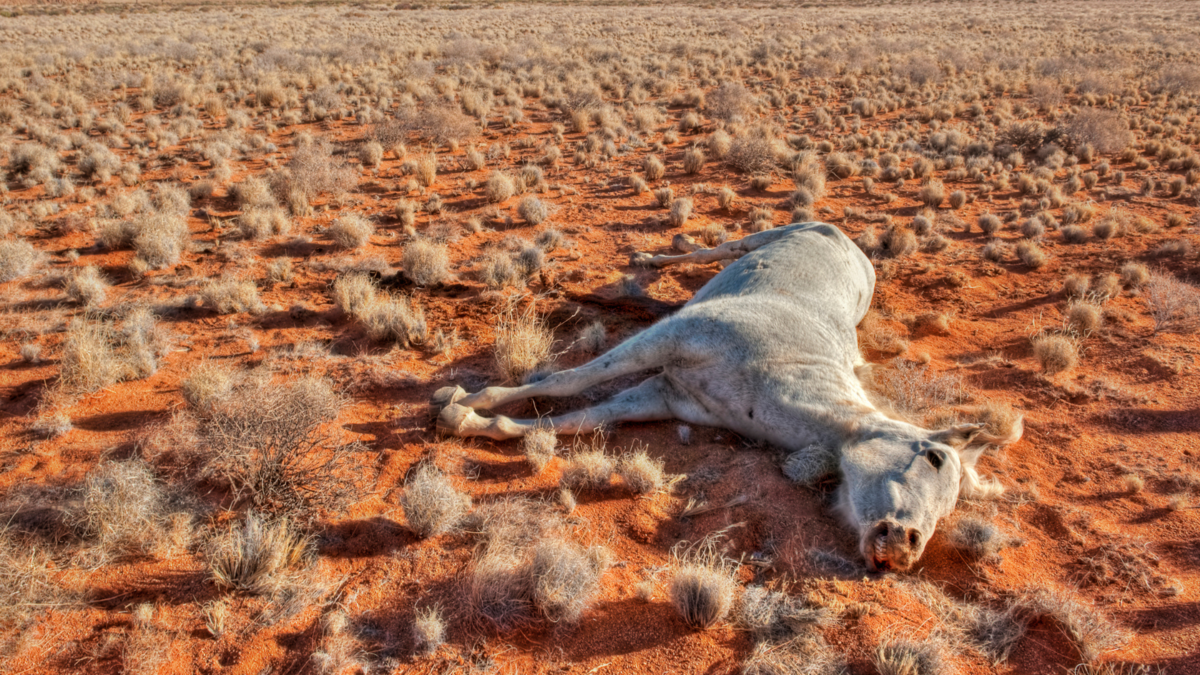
(523, 343)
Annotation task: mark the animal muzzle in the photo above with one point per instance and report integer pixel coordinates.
(890, 547)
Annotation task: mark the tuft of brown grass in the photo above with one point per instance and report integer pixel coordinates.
(1173, 304)
(1083, 318)
(523, 343)
(18, 258)
(979, 538)
(122, 509)
(703, 591)
(565, 578)
(589, 467)
(229, 295)
(87, 286)
(681, 210)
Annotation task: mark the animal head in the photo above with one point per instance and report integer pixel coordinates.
(900, 480)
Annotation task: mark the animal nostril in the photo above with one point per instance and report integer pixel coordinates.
(914, 538)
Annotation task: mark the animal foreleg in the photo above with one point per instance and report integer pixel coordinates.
(643, 403)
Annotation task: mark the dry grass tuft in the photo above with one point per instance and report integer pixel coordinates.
(1055, 353)
(429, 630)
(703, 586)
(905, 657)
(431, 504)
(426, 262)
(589, 468)
(351, 231)
(640, 472)
(229, 295)
(539, 447)
(258, 557)
(979, 538)
(18, 258)
(565, 578)
(523, 343)
(121, 508)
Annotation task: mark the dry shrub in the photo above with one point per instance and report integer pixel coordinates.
(121, 509)
(209, 384)
(906, 657)
(371, 153)
(539, 447)
(640, 472)
(1173, 304)
(1091, 632)
(1134, 275)
(262, 223)
(525, 566)
(713, 235)
(18, 258)
(228, 295)
(1055, 353)
(1074, 234)
(930, 323)
(899, 241)
(431, 504)
(681, 210)
(565, 578)
(1031, 254)
(664, 196)
(729, 102)
(27, 583)
(351, 231)
(533, 210)
(426, 262)
(753, 152)
(265, 442)
(258, 557)
(912, 390)
(500, 186)
(588, 468)
(439, 122)
(1104, 130)
(693, 160)
(874, 334)
(1083, 318)
(96, 354)
(523, 342)
(87, 286)
(989, 223)
(1076, 285)
(653, 167)
(314, 170)
(932, 194)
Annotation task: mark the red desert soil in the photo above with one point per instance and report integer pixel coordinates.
(1132, 406)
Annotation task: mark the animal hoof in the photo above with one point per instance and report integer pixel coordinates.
(444, 397)
(685, 244)
(641, 258)
(454, 419)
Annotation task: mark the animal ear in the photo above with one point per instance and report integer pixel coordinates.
(958, 436)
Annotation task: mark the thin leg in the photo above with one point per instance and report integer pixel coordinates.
(649, 349)
(730, 250)
(646, 402)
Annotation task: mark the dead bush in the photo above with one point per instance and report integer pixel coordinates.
(978, 537)
(588, 468)
(431, 504)
(312, 171)
(228, 295)
(87, 286)
(681, 210)
(500, 186)
(912, 390)
(1173, 304)
(1104, 130)
(121, 509)
(429, 630)
(753, 152)
(702, 587)
(266, 443)
(729, 102)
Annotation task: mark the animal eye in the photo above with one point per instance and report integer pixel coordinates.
(935, 458)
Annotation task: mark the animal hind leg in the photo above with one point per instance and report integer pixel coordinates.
(730, 250)
(646, 402)
(651, 348)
